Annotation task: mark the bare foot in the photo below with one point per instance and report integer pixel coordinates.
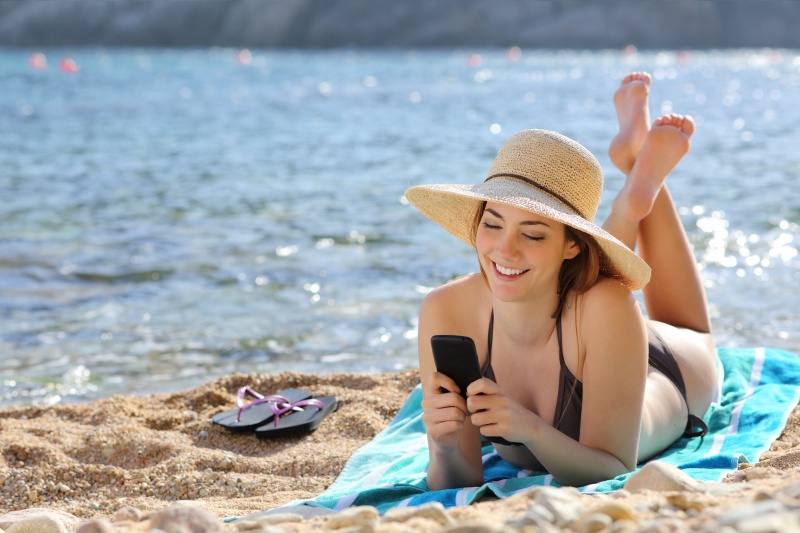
(633, 116)
(664, 146)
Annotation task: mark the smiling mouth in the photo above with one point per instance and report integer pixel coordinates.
(509, 271)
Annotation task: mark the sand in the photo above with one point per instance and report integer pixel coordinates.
(92, 460)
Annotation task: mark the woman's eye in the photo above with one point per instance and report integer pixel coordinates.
(533, 237)
(490, 226)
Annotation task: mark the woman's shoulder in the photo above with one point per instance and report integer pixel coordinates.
(608, 297)
(460, 287)
(608, 318)
(463, 294)
(606, 287)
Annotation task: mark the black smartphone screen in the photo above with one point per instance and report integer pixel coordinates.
(455, 357)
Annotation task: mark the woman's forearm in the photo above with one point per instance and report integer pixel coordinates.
(573, 463)
(456, 468)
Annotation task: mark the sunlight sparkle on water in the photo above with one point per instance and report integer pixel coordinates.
(717, 249)
(746, 252)
(286, 251)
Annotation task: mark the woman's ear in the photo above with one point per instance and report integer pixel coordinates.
(571, 249)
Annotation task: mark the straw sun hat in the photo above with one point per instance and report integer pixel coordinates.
(545, 173)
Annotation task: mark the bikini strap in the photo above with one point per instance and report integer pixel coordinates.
(695, 427)
(486, 369)
(560, 349)
(490, 334)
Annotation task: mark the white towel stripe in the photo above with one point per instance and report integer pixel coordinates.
(462, 496)
(375, 476)
(404, 503)
(733, 426)
(716, 446)
(758, 366)
(588, 489)
(345, 502)
(487, 457)
(755, 379)
(720, 380)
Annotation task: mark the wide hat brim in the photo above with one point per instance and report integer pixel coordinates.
(454, 206)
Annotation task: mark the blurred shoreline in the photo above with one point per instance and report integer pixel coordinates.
(307, 24)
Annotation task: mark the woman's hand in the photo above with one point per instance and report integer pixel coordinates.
(444, 411)
(495, 413)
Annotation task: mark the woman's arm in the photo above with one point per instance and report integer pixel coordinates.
(454, 442)
(612, 330)
(570, 462)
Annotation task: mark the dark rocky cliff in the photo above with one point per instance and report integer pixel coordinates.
(402, 23)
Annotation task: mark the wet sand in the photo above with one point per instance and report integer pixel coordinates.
(148, 452)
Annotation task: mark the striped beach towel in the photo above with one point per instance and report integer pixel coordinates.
(758, 390)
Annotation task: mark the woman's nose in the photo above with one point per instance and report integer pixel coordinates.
(507, 245)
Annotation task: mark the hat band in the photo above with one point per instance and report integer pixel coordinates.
(541, 188)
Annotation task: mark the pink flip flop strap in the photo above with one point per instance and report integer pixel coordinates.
(296, 406)
(259, 399)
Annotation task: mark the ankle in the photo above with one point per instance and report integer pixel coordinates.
(621, 155)
(633, 203)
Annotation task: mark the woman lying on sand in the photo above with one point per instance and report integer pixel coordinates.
(575, 378)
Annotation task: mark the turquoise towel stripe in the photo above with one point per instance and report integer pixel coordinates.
(759, 389)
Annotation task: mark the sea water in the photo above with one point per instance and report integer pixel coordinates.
(167, 217)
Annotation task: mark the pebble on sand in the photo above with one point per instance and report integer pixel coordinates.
(661, 477)
(38, 523)
(189, 517)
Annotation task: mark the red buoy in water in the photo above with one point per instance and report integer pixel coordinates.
(244, 57)
(68, 65)
(38, 61)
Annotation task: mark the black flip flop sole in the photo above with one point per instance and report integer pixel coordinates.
(297, 422)
(258, 415)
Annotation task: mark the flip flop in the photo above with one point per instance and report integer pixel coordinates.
(299, 417)
(251, 415)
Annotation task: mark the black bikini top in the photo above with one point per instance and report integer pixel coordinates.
(567, 417)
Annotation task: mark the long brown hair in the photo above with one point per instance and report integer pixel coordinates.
(578, 274)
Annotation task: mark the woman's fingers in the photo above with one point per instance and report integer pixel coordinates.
(439, 383)
(483, 386)
(443, 412)
(491, 410)
(444, 415)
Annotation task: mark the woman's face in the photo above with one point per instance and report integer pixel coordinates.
(521, 252)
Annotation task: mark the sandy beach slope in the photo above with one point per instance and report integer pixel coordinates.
(147, 452)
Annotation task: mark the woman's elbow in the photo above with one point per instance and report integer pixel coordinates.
(437, 481)
(584, 477)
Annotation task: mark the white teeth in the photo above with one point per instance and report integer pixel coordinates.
(508, 271)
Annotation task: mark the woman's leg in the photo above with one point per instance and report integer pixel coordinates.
(633, 116)
(675, 297)
(643, 213)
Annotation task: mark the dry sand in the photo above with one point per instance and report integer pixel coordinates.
(149, 451)
(93, 459)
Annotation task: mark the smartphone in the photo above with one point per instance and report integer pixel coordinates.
(455, 357)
